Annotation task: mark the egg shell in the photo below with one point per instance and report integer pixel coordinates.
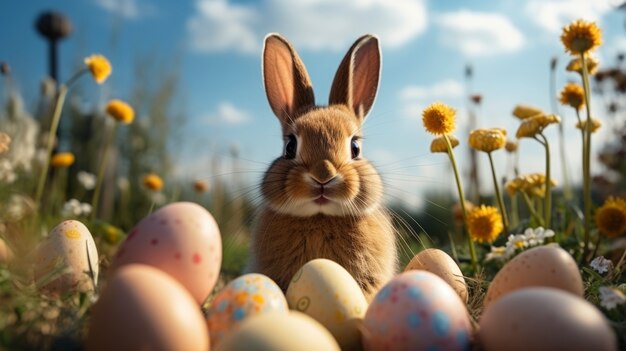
(548, 266)
(441, 264)
(143, 308)
(544, 319)
(416, 310)
(246, 296)
(280, 332)
(69, 245)
(183, 240)
(324, 290)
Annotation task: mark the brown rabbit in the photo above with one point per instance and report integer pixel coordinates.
(322, 199)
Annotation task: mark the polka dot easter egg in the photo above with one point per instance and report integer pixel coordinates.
(181, 239)
(67, 261)
(415, 311)
(249, 295)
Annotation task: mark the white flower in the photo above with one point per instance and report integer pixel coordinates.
(7, 172)
(517, 241)
(601, 264)
(16, 208)
(611, 297)
(158, 197)
(540, 234)
(123, 183)
(87, 180)
(497, 253)
(74, 208)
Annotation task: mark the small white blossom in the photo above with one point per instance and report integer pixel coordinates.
(74, 208)
(601, 264)
(7, 172)
(123, 184)
(497, 253)
(611, 297)
(16, 208)
(87, 180)
(158, 198)
(517, 241)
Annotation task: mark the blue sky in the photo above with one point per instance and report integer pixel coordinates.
(425, 45)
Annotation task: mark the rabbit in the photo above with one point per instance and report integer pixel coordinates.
(321, 198)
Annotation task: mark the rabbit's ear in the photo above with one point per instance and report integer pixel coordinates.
(357, 77)
(287, 82)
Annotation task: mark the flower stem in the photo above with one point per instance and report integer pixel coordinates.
(587, 157)
(56, 117)
(505, 217)
(103, 164)
(531, 208)
(459, 187)
(548, 195)
(567, 188)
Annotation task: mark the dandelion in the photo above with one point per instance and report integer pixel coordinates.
(5, 141)
(575, 65)
(601, 264)
(439, 119)
(439, 144)
(525, 111)
(484, 223)
(573, 95)
(121, 111)
(595, 125)
(200, 186)
(99, 67)
(580, 37)
(62, 159)
(153, 182)
(87, 180)
(610, 297)
(611, 217)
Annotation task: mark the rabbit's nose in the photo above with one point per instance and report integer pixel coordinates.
(323, 172)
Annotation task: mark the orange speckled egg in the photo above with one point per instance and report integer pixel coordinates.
(142, 308)
(547, 266)
(544, 319)
(181, 239)
(441, 264)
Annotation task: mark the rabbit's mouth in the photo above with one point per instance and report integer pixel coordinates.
(321, 200)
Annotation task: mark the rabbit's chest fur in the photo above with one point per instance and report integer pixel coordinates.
(365, 246)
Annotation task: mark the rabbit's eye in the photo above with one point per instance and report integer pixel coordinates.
(355, 148)
(290, 147)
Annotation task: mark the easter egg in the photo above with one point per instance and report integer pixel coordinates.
(181, 239)
(542, 318)
(325, 291)
(143, 308)
(441, 264)
(249, 295)
(280, 332)
(416, 310)
(67, 261)
(548, 266)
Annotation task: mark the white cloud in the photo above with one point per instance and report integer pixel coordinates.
(131, 9)
(221, 25)
(479, 33)
(552, 15)
(227, 113)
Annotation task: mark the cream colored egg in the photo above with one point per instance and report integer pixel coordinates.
(143, 308)
(544, 319)
(442, 265)
(280, 332)
(6, 254)
(547, 266)
(67, 261)
(325, 291)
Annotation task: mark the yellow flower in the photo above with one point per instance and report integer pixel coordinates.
(487, 140)
(200, 186)
(112, 234)
(439, 118)
(511, 146)
(534, 125)
(99, 67)
(595, 124)
(5, 142)
(525, 111)
(439, 144)
(575, 65)
(535, 184)
(513, 186)
(484, 223)
(581, 36)
(611, 217)
(573, 95)
(62, 159)
(121, 111)
(153, 182)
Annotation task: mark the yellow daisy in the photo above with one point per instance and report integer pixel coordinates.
(439, 118)
(595, 125)
(513, 186)
(62, 159)
(439, 144)
(153, 182)
(534, 125)
(99, 67)
(487, 139)
(484, 223)
(573, 95)
(581, 36)
(575, 65)
(611, 217)
(525, 111)
(121, 111)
